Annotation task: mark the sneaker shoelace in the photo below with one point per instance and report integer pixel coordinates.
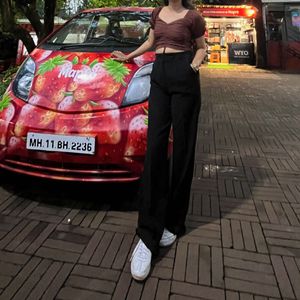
(142, 252)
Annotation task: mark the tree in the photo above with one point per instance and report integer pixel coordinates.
(9, 25)
(112, 3)
(11, 9)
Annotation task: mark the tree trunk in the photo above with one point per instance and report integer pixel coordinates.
(261, 53)
(10, 26)
(49, 13)
(30, 12)
(23, 35)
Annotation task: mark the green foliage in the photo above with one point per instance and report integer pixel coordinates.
(116, 69)
(4, 102)
(6, 79)
(113, 3)
(51, 64)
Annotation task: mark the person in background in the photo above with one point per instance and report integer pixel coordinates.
(174, 101)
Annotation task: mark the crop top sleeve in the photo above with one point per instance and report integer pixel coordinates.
(154, 14)
(198, 26)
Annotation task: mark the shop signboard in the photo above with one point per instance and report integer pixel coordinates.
(241, 53)
(228, 11)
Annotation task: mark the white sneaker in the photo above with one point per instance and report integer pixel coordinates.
(140, 261)
(167, 238)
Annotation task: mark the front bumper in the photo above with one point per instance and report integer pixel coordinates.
(111, 162)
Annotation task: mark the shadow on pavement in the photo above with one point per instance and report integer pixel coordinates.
(90, 196)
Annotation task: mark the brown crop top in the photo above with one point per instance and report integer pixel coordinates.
(178, 34)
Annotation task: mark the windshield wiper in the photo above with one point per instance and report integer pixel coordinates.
(114, 38)
(77, 45)
(94, 44)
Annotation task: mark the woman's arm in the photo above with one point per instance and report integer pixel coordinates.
(200, 53)
(148, 44)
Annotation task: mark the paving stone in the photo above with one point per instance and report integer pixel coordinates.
(7, 223)
(45, 217)
(291, 214)
(238, 242)
(31, 237)
(4, 195)
(91, 247)
(69, 293)
(13, 258)
(163, 289)
(33, 279)
(28, 209)
(192, 290)
(56, 254)
(57, 282)
(247, 286)
(135, 291)
(192, 263)
(162, 272)
(92, 284)
(260, 241)
(15, 206)
(98, 219)
(230, 295)
(101, 249)
(150, 288)
(294, 274)
(112, 250)
(22, 235)
(123, 252)
(13, 233)
(246, 296)
(117, 228)
(42, 286)
(268, 193)
(205, 265)
(35, 244)
(6, 199)
(226, 233)
(180, 297)
(180, 261)
(122, 286)
(20, 279)
(217, 267)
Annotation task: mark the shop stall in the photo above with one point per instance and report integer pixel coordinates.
(282, 28)
(230, 34)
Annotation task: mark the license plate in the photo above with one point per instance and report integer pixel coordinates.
(60, 143)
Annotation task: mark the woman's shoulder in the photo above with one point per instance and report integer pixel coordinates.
(195, 16)
(156, 10)
(195, 13)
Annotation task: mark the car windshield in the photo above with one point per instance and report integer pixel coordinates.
(103, 29)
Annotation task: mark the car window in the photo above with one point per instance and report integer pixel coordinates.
(73, 32)
(99, 27)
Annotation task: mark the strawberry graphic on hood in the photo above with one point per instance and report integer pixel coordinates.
(106, 80)
(58, 77)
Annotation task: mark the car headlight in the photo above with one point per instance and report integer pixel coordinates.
(23, 80)
(139, 86)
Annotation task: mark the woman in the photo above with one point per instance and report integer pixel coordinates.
(174, 100)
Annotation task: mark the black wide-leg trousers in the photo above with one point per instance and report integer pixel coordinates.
(174, 101)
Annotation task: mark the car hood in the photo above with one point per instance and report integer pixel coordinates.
(81, 81)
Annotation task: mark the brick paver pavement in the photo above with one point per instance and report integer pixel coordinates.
(70, 241)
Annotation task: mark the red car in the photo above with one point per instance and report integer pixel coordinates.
(72, 112)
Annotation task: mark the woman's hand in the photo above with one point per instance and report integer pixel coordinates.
(120, 56)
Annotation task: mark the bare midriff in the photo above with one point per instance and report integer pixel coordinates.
(167, 50)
